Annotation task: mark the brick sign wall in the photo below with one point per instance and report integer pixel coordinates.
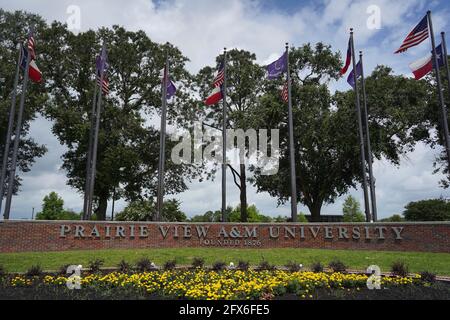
(38, 236)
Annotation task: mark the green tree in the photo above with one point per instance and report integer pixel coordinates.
(352, 210)
(13, 30)
(326, 133)
(212, 216)
(244, 84)
(128, 147)
(254, 216)
(52, 207)
(145, 210)
(394, 218)
(302, 218)
(428, 210)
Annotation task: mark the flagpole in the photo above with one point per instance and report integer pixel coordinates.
(440, 93)
(162, 142)
(12, 112)
(87, 200)
(224, 139)
(361, 134)
(96, 132)
(373, 196)
(12, 172)
(444, 110)
(291, 144)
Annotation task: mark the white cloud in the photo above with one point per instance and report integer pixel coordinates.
(201, 31)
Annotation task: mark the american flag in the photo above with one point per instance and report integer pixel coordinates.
(31, 46)
(417, 36)
(285, 93)
(105, 86)
(220, 77)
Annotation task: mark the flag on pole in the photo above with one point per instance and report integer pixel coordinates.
(33, 71)
(102, 67)
(217, 94)
(277, 68)
(31, 46)
(351, 78)
(171, 89)
(348, 60)
(424, 66)
(416, 36)
(105, 85)
(285, 93)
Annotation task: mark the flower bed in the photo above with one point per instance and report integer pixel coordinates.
(203, 284)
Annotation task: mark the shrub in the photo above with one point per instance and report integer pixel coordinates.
(243, 265)
(337, 266)
(170, 265)
(428, 210)
(428, 277)
(399, 269)
(63, 269)
(2, 271)
(144, 265)
(198, 263)
(352, 210)
(219, 266)
(95, 265)
(265, 266)
(293, 266)
(124, 267)
(317, 267)
(34, 271)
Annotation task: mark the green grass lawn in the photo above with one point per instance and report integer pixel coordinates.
(438, 263)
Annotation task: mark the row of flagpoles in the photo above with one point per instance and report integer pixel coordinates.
(275, 70)
(26, 62)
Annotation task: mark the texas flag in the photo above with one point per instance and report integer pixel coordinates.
(33, 72)
(423, 66)
(214, 97)
(217, 94)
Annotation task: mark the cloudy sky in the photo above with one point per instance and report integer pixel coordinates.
(201, 28)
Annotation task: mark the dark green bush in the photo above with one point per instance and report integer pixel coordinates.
(198, 263)
(144, 265)
(400, 269)
(219, 266)
(428, 210)
(317, 267)
(428, 277)
(337, 266)
(265, 266)
(243, 265)
(170, 265)
(34, 271)
(2, 271)
(293, 266)
(62, 271)
(124, 267)
(95, 265)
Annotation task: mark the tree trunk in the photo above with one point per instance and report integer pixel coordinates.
(244, 214)
(315, 210)
(102, 207)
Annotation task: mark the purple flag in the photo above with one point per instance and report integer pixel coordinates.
(278, 67)
(101, 62)
(351, 78)
(171, 89)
